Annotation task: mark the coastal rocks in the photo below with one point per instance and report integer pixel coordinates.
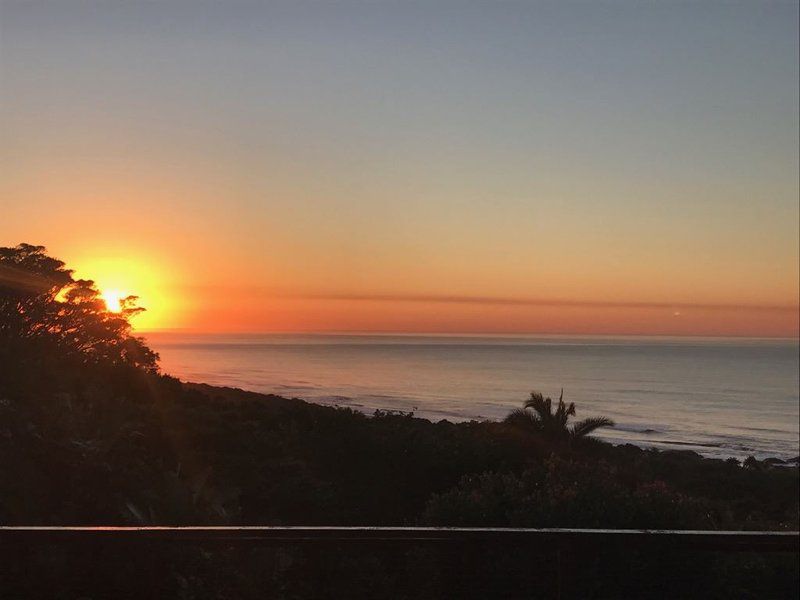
(771, 462)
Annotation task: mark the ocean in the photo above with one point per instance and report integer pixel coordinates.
(719, 397)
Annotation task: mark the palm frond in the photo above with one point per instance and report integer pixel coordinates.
(522, 418)
(536, 399)
(542, 406)
(563, 412)
(587, 426)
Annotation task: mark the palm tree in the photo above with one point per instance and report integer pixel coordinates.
(537, 416)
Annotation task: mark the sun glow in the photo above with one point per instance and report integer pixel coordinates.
(113, 299)
(118, 276)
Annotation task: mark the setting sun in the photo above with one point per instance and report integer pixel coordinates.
(113, 299)
(118, 276)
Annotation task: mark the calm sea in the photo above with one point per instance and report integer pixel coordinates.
(720, 397)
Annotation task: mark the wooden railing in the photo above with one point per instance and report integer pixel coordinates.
(725, 541)
(560, 542)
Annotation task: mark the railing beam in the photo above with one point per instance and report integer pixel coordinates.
(745, 541)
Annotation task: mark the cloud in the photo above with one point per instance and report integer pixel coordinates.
(676, 307)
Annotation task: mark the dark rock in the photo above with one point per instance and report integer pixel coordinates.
(773, 461)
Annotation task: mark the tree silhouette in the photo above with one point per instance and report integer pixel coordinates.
(46, 315)
(538, 417)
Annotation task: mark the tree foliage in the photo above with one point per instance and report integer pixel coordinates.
(538, 417)
(48, 316)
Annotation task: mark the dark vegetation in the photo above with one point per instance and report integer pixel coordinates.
(537, 417)
(92, 433)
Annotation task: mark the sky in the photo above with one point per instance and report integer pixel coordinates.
(493, 167)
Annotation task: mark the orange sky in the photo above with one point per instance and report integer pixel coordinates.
(408, 169)
(190, 281)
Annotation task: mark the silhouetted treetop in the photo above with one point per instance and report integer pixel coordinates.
(46, 314)
(538, 417)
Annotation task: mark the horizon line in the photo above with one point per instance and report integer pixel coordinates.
(389, 332)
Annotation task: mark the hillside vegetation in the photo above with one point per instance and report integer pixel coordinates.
(92, 433)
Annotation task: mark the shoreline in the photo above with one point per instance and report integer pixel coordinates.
(742, 402)
(683, 449)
